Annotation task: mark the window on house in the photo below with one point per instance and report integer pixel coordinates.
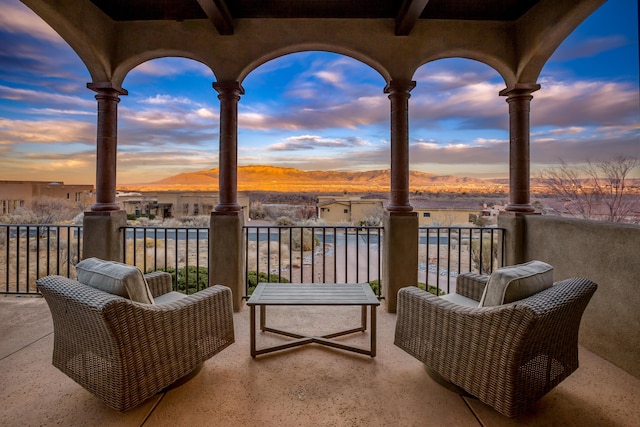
(346, 211)
(426, 214)
(185, 208)
(196, 209)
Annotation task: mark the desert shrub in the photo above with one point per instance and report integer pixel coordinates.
(257, 211)
(489, 253)
(253, 278)
(300, 238)
(285, 221)
(194, 221)
(375, 285)
(430, 288)
(312, 222)
(189, 279)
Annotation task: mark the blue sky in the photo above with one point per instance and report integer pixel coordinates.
(313, 110)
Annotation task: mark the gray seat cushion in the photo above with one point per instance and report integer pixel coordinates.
(115, 278)
(169, 297)
(460, 300)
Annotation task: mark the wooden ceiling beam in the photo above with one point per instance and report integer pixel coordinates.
(219, 15)
(408, 15)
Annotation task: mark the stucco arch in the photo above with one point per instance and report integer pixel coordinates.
(125, 67)
(540, 45)
(314, 47)
(492, 62)
(71, 23)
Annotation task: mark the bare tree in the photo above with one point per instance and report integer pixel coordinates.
(372, 216)
(595, 190)
(612, 186)
(44, 210)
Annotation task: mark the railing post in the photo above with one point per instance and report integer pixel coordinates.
(226, 253)
(400, 255)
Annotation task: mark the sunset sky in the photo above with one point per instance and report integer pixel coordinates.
(313, 110)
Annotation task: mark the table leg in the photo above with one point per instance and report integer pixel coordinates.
(263, 317)
(373, 331)
(252, 327)
(364, 318)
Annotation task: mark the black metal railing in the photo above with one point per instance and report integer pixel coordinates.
(181, 251)
(338, 254)
(445, 252)
(31, 251)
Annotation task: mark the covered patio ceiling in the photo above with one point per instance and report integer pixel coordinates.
(223, 12)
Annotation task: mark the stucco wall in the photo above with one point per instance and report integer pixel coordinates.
(333, 213)
(444, 217)
(608, 254)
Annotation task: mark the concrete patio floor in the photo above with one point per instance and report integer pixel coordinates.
(307, 386)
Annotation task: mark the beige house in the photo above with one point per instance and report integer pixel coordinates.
(18, 194)
(135, 203)
(445, 217)
(175, 204)
(445, 213)
(349, 211)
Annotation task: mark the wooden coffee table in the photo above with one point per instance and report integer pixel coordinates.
(300, 294)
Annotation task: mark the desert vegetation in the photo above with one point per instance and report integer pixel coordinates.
(596, 190)
(45, 210)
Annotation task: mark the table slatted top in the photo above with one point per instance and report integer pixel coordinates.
(313, 294)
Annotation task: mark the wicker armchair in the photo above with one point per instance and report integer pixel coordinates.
(125, 352)
(507, 356)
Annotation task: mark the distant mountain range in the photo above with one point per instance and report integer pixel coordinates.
(272, 178)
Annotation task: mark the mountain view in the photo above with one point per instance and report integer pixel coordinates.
(271, 178)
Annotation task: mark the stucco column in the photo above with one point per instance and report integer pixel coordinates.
(229, 94)
(398, 91)
(226, 248)
(102, 224)
(519, 98)
(400, 246)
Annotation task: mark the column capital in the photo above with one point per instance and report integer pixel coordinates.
(228, 86)
(519, 89)
(399, 85)
(102, 87)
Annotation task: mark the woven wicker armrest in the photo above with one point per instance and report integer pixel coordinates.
(471, 285)
(507, 356)
(159, 283)
(201, 325)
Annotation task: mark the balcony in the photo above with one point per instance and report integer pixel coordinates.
(316, 385)
(311, 385)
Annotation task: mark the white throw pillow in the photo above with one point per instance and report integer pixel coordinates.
(516, 282)
(115, 278)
